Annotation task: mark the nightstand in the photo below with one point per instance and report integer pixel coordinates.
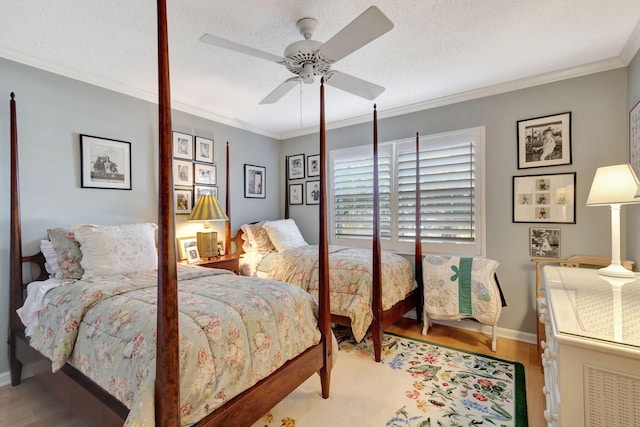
(225, 262)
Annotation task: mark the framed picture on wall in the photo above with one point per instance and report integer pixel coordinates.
(313, 192)
(296, 192)
(295, 166)
(544, 242)
(183, 200)
(182, 173)
(105, 163)
(255, 181)
(544, 141)
(545, 198)
(199, 190)
(313, 165)
(204, 174)
(634, 138)
(204, 149)
(182, 146)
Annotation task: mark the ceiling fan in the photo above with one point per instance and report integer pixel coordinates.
(308, 58)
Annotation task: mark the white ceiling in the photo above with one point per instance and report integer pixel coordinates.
(440, 51)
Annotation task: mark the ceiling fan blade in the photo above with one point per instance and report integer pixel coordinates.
(281, 90)
(228, 44)
(353, 85)
(370, 25)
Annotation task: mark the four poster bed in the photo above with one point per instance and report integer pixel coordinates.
(201, 298)
(369, 289)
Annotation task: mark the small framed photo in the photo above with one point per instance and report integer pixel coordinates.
(255, 181)
(193, 255)
(199, 190)
(295, 166)
(313, 165)
(544, 242)
(105, 163)
(313, 192)
(182, 146)
(184, 244)
(544, 141)
(204, 149)
(634, 138)
(204, 174)
(183, 200)
(545, 198)
(295, 194)
(182, 173)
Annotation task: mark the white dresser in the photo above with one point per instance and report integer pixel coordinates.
(591, 353)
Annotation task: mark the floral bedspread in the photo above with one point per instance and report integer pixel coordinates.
(234, 331)
(350, 277)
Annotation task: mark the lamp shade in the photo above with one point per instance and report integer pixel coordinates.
(616, 184)
(207, 208)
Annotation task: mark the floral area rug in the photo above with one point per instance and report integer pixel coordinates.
(417, 385)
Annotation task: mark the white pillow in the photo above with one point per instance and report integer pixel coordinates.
(117, 249)
(284, 234)
(51, 264)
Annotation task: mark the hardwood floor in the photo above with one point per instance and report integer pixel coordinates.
(30, 405)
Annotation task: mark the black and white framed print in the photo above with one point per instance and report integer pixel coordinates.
(204, 174)
(182, 172)
(545, 198)
(544, 242)
(296, 192)
(183, 200)
(182, 146)
(255, 178)
(544, 141)
(199, 190)
(295, 167)
(634, 138)
(204, 149)
(313, 165)
(313, 192)
(105, 163)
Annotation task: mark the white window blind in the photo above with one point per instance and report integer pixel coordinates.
(451, 193)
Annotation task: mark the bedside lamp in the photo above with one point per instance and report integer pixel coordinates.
(207, 209)
(615, 186)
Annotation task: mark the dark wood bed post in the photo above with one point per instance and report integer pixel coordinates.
(286, 187)
(15, 297)
(227, 206)
(167, 385)
(377, 328)
(418, 243)
(323, 258)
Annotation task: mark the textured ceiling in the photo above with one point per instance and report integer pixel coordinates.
(439, 51)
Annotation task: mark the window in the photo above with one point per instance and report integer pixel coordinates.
(451, 193)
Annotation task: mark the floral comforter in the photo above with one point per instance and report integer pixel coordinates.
(234, 331)
(350, 278)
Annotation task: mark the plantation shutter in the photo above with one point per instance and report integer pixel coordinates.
(353, 192)
(447, 192)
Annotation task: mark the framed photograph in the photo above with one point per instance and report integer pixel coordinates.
(183, 200)
(295, 194)
(295, 167)
(544, 242)
(192, 254)
(545, 198)
(313, 165)
(199, 190)
(105, 163)
(204, 149)
(182, 146)
(204, 174)
(182, 173)
(634, 138)
(313, 192)
(544, 141)
(184, 244)
(255, 181)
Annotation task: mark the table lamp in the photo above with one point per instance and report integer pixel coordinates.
(207, 209)
(615, 186)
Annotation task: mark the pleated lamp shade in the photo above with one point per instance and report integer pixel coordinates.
(207, 209)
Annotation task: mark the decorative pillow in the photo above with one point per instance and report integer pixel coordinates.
(257, 238)
(117, 249)
(68, 255)
(284, 234)
(51, 261)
